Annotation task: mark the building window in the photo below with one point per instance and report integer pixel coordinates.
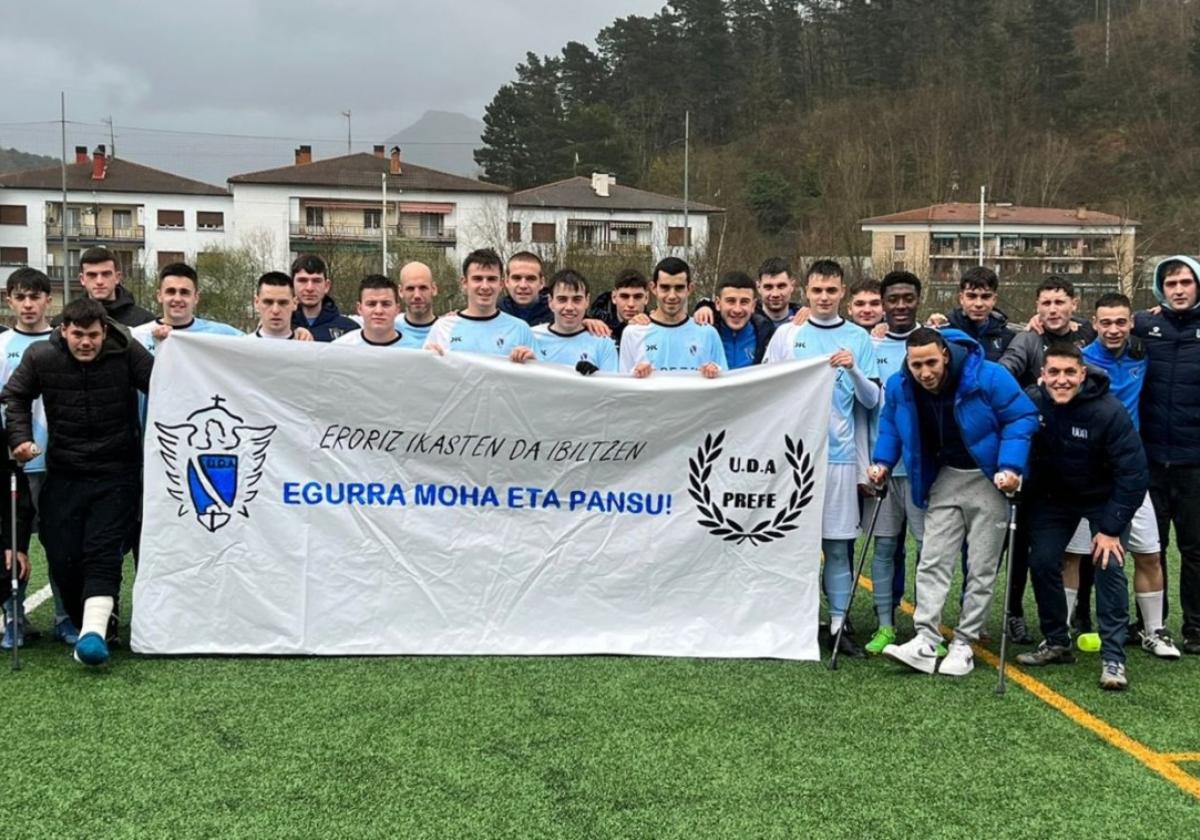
(123, 219)
(166, 219)
(543, 232)
(898, 245)
(372, 219)
(675, 237)
(314, 216)
(210, 220)
(165, 258)
(431, 225)
(514, 231)
(14, 256)
(12, 214)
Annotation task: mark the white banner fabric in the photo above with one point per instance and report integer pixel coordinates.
(320, 499)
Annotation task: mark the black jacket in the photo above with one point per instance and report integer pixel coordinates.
(1026, 352)
(994, 335)
(1087, 455)
(123, 309)
(535, 314)
(330, 322)
(91, 409)
(1170, 402)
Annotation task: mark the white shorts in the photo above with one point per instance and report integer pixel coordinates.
(840, 518)
(897, 507)
(1143, 533)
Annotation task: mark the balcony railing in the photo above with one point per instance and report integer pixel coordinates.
(356, 233)
(132, 233)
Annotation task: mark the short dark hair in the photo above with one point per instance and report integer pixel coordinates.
(671, 265)
(1171, 266)
(484, 258)
(378, 281)
(178, 269)
(275, 278)
(526, 256)
(774, 265)
(1055, 283)
(824, 268)
(736, 280)
(309, 264)
(866, 284)
(83, 312)
(98, 254)
(26, 279)
(1113, 299)
(900, 278)
(571, 279)
(631, 278)
(979, 277)
(925, 335)
(1063, 349)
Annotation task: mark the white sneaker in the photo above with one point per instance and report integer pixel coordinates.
(959, 662)
(916, 653)
(1159, 644)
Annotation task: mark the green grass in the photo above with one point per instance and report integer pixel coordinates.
(578, 747)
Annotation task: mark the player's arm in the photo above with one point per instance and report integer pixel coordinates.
(141, 363)
(22, 388)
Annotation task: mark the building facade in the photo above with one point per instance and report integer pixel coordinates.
(941, 241)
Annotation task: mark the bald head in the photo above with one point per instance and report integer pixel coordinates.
(417, 290)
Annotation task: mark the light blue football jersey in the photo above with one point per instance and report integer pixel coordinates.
(558, 349)
(890, 352)
(496, 335)
(683, 346)
(13, 345)
(144, 333)
(413, 335)
(821, 341)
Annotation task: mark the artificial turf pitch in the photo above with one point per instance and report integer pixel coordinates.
(580, 747)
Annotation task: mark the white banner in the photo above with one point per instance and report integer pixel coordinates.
(318, 499)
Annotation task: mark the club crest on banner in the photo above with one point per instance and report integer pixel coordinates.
(780, 512)
(214, 462)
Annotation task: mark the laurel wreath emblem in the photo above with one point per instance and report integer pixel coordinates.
(768, 530)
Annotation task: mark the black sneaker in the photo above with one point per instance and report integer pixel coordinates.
(1018, 631)
(1047, 654)
(1133, 634)
(1191, 645)
(112, 636)
(848, 647)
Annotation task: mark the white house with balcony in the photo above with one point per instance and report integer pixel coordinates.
(354, 200)
(145, 216)
(598, 215)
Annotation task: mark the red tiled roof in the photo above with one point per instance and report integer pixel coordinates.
(120, 176)
(577, 193)
(999, 214)
(363, 170)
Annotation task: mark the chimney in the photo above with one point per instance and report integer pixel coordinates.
(99, 164)
(1081, 212)
(395, 168)
(379, 151)
(601, 182)
(81, 155)
(303, 155)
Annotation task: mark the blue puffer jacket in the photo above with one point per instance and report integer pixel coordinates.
(534, 314)
(1170, 408)
(330, 322)
(996, 419)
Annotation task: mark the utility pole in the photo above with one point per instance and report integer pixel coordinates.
(65, 259)
(982, 213)
(687, 233)
(349, 145)
(1107, 28)
(383, 221)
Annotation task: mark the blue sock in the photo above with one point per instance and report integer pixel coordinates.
(882, 572)
(835, 578)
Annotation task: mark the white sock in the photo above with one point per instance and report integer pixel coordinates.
(835, 624)
(1072, 596)
(96, 611)
(1151, 605)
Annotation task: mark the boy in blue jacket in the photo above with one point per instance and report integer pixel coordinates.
(963, 427)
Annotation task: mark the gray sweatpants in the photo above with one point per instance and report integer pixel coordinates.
(962, 503)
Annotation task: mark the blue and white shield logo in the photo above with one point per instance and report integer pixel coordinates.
(214, 462)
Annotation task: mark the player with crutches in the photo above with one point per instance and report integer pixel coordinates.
(880, 495)
(963, 427)
(1001, 685)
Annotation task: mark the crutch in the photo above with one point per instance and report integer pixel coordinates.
(1001, 686)
(880, 493)
(18, 627)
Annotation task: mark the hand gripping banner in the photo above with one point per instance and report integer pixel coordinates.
(320, 499)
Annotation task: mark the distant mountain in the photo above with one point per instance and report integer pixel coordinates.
(441, 140)
(12, 160)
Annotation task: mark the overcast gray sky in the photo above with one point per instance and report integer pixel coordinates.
(283, 69)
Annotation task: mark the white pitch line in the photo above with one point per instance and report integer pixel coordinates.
(32, 602)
